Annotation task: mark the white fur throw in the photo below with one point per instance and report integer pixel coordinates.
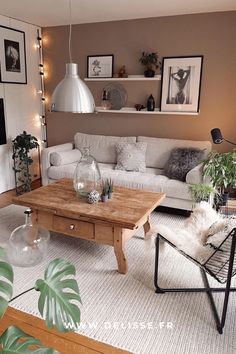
(192, 239)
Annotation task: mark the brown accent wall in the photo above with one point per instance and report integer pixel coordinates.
(211, 35)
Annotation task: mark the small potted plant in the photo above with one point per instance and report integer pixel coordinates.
(201, 192)
(110, 188)
(152, 63)
(221, 168)
(105, 191)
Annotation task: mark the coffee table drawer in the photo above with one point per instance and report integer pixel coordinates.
(72, 227)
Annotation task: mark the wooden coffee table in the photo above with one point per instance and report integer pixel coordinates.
(57, 208)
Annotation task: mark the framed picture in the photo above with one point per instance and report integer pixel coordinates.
(100, 66)
(12, 56)
(181, 83)
(3, 138)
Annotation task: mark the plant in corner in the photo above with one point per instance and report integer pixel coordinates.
(57, 304)
(221, 168)
(152, 63)
(22, 145)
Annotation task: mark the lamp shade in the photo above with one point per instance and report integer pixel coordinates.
(216, 136)
(72, 94)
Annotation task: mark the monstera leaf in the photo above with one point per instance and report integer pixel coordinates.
(59, 296)
(6, 283)
(15, 341)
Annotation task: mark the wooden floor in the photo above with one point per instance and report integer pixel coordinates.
(70, 343)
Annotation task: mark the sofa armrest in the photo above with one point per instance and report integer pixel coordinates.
(195, 176)
(45, 159)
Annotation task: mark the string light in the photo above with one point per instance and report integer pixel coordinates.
(42, 117)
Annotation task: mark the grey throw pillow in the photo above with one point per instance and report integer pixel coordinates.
(131, 156)
(181, 161)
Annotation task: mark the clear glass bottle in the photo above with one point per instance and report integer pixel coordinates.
(106, 103)
(87, 176)
(28, 243)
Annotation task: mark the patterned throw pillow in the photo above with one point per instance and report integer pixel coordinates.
(131, 156)
(181, 161)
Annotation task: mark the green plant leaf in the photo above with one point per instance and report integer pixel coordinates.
(15, 341)
(59, 299)
(6, 283)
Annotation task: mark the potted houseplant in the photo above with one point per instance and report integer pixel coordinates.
(221, 168)
(201, 192)
(105, 190)
(58, 288)
(110, 185)
(22, 145)
(151, 61)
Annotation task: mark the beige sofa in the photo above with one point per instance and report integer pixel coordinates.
(62, 164)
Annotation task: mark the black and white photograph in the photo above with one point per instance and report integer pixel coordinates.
(181, 80)
(100, 66)
(12, 56)
(3, 138)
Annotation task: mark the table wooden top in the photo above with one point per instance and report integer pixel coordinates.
(65, 343)
(126, 208)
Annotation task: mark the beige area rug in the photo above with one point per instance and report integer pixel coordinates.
(123, 310)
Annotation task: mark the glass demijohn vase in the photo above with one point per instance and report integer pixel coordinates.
(28, 243)
(87, 176)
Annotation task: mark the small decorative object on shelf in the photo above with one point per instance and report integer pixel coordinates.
(93, 197)
(28, 243)
(150, 103)
(139, 107)
(22, 145)
(106, 103)
(87, 175)
(152, 63)
(122, 72)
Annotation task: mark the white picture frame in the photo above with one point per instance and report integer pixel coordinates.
(181, 83)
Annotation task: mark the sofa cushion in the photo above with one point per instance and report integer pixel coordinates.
(102, 148)
(150, 180)
(65, 157)
(131, 156)
(159, 149)
(181, 161)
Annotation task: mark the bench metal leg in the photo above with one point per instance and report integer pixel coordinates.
(220, 322)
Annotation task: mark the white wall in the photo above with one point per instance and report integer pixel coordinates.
(22, 103)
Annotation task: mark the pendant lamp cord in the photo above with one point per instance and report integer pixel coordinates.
(70, 32)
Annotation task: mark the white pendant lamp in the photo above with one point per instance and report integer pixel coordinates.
(72, 94)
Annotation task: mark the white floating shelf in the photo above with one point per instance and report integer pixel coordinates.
(129, 78)
(131, 110)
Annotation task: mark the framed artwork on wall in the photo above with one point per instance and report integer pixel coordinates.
(181, 83)
(100, 66)
(12, 56)
(3, 137)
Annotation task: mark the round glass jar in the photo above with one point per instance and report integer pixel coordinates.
(28, 243)
(87, 176)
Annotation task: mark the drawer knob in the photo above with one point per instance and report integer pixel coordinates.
(72, 226)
